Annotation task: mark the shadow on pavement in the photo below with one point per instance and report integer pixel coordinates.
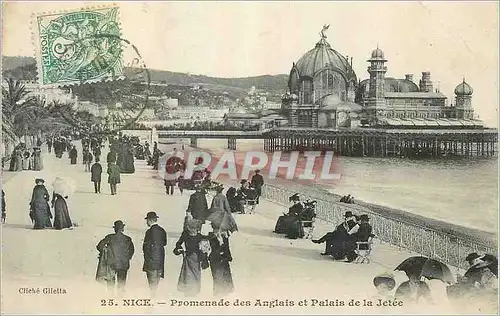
(257, 231)
(22, 226)
(309, 254)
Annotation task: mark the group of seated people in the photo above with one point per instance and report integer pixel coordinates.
(341, 243)
(299, 215)
(479, 283)
(347, 199)
(245, 195)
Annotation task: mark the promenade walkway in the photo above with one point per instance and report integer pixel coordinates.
(266, 266)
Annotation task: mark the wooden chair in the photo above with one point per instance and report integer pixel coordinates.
(308, 227)
(363, 250)
(250, 205)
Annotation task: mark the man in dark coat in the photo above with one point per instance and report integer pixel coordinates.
(111, 158)
(4, 208)
(198, 204)
(73, 154)
(339, 242)
(153, 248)
(95, 175)
(113, 177)
(120, 251)
(49, 144)
(257, 183)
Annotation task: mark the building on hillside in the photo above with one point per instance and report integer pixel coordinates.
(88, 106)
(263, 118)
(198, 113)
(49, 94)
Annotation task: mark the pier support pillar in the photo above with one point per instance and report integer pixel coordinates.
(194, 142)
(231, 143)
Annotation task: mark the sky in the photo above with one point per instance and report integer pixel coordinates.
(452, 40)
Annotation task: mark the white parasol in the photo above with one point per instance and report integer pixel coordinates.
(64, 186)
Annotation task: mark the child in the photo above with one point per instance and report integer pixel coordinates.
(384, 284)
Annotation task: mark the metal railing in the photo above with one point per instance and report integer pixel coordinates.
(445, 247)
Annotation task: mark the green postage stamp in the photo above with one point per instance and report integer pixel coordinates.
(78, 47)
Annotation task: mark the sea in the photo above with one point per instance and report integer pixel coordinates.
(459, 191)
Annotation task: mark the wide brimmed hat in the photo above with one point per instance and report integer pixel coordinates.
(348, 214)
(472, 256)
(118, 224)
(386, 278)
(151, 215)
(193, 225)
(39, 180)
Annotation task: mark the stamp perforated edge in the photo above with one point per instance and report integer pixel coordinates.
(35, 35)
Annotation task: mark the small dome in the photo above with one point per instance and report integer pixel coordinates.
(377, 54)
(464, 89)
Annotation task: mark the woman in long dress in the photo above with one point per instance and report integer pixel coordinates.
(39, 206)
(37, 159)
(61, 214)
(26, 160)
(220, 257)
(220, 203)
(286, 221)
(190, 276)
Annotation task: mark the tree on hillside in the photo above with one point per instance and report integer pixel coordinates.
(18, 109)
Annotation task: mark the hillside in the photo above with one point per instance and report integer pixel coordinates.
(24, 68)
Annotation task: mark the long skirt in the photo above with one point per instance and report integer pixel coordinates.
(13, 164)
(26, 163)
(19, 163)
(38, 164)
(283, 224)
(295, 230)
(61, 215)
(223, 279)
(73, 160)
(190, 276)
(41, 217)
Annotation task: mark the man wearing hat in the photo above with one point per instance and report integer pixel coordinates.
(339, 242)
(120, 251)
(473, 274)
(198, 204)
(153, 248)
(257, 183)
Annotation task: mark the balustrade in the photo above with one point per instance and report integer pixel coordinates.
(445, 247)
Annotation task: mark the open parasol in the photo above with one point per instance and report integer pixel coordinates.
(63, 186)
(426, 267)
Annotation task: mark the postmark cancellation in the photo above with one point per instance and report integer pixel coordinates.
(79, 46)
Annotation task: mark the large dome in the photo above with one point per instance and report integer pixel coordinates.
(322, 56)
(464, 89)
